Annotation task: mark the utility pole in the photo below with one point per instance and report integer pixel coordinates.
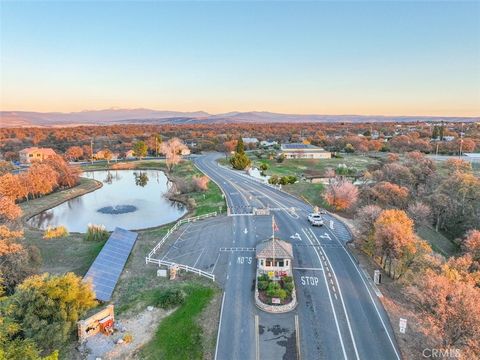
(91, 150)
(461, 141)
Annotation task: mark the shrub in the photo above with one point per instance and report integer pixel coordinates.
(280, 158)
(55, 232)
(287, 279)
(272, 289)
(284, 180)
(263, 277)
(262, 285)
(200, 183)
(170, 298)
(273, 180)
(128, 338)
(96, 233)
(288, 287)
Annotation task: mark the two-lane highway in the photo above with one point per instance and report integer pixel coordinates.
(339, 315)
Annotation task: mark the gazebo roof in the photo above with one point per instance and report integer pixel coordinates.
(281, 249)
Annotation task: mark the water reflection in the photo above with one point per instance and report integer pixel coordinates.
(135, 203)
(141, 178)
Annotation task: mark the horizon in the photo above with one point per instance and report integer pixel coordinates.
(387, 58)
(116, 108)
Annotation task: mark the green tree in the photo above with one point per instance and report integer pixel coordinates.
(47, 308)
(140, 149)
(12, 345)
(240, 160)
(240, 149)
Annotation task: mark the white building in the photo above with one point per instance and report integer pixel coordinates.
(249, 140)
(304, 151)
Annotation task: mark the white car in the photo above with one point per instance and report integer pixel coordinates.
(315, 219)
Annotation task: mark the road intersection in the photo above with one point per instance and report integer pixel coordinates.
(338, 316)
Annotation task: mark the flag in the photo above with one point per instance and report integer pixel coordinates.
(274, 224)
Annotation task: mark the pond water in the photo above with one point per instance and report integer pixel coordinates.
(130, 199)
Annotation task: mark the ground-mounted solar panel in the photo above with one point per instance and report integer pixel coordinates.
(108, 265)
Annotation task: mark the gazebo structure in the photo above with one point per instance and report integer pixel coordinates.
(274, 258)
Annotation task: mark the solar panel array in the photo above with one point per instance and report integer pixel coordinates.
(295, 146)
(108, 265)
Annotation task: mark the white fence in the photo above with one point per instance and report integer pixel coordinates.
(182, 267)
(175, 227)
(149, 258)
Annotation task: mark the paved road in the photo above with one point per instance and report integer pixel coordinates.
(339, 315)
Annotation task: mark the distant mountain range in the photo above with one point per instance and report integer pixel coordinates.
(147, 116)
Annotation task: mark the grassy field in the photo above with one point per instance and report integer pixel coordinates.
(179, 336)
(317, 167)
(437, 241)
(312, 193)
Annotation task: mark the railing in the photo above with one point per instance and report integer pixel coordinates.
(182, 267)
(175, 227)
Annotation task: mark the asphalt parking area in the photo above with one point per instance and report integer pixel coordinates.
(197, 244)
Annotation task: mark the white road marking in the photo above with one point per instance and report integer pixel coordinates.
(257, 340)
(330, 298)
(373, 301)
(219, 326)
(341, 298)
(215, 264)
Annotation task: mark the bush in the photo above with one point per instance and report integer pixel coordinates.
(96, 233)
(273, 180)
(288, 287)
(127, 338)
(170, 298)
(280, 158)
(262, 285)
(287, 279)
(273, 288)
(55, 232)
(284, 180)
(263, 277)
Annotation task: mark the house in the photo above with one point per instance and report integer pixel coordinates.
(130, 154)
(248, 140)
(31, 154)
(274, 256)
(268, 143)
(304, 151)
(102, 155)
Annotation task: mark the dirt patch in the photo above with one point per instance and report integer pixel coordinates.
(141, 327)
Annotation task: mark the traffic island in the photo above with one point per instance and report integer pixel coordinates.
(274, 286)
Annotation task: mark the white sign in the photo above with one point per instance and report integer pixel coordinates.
(275, 301)
(162, 272)
(377, 277)
(403, 325)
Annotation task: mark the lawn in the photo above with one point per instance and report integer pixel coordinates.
(437, 241)
(299, 167)
(179, 336)
(312, 193)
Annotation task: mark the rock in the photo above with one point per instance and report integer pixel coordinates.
(120, 341)
(150, 308)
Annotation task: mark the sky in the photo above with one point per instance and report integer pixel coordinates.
(367, 58)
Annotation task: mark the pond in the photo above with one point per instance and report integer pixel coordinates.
(130, 199)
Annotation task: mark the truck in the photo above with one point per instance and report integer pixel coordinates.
(315, 219)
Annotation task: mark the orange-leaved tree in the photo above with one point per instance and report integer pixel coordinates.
(341, 195)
